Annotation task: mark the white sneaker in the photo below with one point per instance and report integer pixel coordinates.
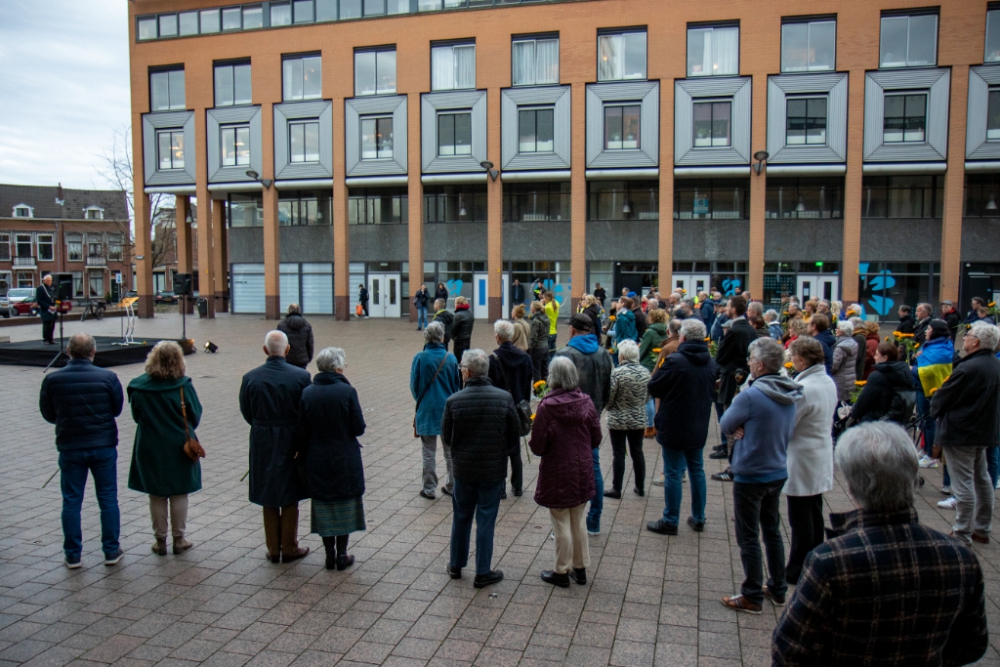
(927, 462)
(658, 481)
(593, 532)
(948, 503)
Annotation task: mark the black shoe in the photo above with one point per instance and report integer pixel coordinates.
(330, 545)
(503, 495)
(518, 493)
(579, 575)
(661, 527)
(484, 580)
(613, 494)
(556, 579)
(300, 552)
(445, 491)
(639, 492)
(777, 600)
(724, 476)
(720, 448)
(429, 495)
(344, 561)
(695, 526)
(454, 572)
(719, 455)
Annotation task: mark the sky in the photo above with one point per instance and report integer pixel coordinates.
(64, 89)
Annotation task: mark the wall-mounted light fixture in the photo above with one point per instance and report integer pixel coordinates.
(266, 182)
(761, 157)
(488, 166)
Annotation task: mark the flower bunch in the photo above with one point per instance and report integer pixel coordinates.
(541, 388)
(859, 387)
(907, 343)
(712, 347)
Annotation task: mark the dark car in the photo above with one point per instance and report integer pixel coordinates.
(165, 297)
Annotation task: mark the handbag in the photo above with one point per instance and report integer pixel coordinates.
(359, 310)
(192, 447)
(523, 408)
(424, 393)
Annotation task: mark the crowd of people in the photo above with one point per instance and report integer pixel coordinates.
(781, 383)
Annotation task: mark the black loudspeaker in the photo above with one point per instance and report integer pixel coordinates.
(182, 284)
(64, 286)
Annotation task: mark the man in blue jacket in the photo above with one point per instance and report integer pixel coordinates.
(819, 328)
(760, 422)
(434, 376)
(83, 401)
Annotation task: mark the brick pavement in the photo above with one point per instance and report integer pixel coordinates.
(652, 600)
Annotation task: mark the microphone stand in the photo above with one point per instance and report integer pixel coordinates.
(62, 340)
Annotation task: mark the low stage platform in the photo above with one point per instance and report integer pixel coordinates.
(35, 353)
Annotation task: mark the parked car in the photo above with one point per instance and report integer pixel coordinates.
(22, 301)
(4, 306)
(165, 297)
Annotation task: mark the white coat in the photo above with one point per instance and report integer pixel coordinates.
(810, 450)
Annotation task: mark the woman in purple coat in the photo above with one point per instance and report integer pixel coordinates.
(565, 431)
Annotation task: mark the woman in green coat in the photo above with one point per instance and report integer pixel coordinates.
(653, 338)
(159, 465)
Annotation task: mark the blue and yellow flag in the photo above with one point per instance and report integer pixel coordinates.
(934, 363)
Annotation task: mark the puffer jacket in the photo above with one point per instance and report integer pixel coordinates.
(685, 385)
(845, 359)
(566, 429)
(461, 328)
(445, 317)
(654, 338)
(627, 400)
(82, 400)
(481, 426)
(300, 339)
(539, 332)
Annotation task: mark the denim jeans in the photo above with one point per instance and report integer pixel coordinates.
(756, 507)
(993, 463)
(422, 318)
(650, 413)
(674, 462)
(719, 409)
(481, 501)
(597, 503)
(102, 462)
(552, 341)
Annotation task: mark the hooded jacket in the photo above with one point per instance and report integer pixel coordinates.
(967, 406)
(845, 361)
(766, 412)
(685, 385)
(461, 328)
(906, 324)
(827, 340)
(300, 339)
(625, 326)
(810, 449)
(539, 331)
(593, 365)
(566, 429)
(654, 338)
(886, 380)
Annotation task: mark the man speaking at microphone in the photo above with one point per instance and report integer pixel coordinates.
(46, 300)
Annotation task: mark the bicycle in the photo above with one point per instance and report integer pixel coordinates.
(95, 308)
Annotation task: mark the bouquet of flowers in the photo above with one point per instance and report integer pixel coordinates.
(907, 343)
(859, 385)
(540, 388)
(712, 347)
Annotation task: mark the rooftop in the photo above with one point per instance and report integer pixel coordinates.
(54, 202)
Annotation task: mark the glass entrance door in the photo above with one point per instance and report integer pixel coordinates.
(819, 286)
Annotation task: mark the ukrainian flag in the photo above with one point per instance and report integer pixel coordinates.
(934, 363)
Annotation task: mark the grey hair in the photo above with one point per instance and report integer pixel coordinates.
(756, 307)
(987, 335)
(504, 330)
(856, 321)
(331, 359)
(628, 350)
(476, 362)
(692, 329)
(879, 463)
(562, 374)
(845, 326)
(434, 333)
(440, 303)
(768, 352)
(674, 326)
(926, 306)
(276, 343)
(771, 315)
(651, 304)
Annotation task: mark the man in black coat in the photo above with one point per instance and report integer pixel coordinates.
(951, 318)
(269, 402)
(511, 370)
(363, 298)
(600, 294)
(731, 360)
(45, 298)
(83, 401)
(517, 293)
(906, 321)
(300, 337)
(445, 317)
(481, 427)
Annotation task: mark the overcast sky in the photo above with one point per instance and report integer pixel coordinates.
(64, 89)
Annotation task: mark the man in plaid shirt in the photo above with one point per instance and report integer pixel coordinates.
(885, 590)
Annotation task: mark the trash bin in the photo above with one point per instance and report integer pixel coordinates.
(202, 308)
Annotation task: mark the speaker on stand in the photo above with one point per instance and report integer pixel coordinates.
(182, 288)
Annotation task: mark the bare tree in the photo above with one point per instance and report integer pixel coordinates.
(119, 173)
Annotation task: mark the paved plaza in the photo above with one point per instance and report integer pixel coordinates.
(651, 599)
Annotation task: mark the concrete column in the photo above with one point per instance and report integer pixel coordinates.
(341, 256)
(206, 268)
(415, 200)
(578, 194)
(954, 187)
(143, 256)
(758, 190)
(183, 231)
(221, 269)
(494, 213)
(853, 187)
(665, 249)
(272, 254)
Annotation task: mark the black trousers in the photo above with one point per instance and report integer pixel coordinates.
(516, 470)
(48, 328)
(539, 364)
(634, 439)
(756, 508)
(805, 517)
(460, 348)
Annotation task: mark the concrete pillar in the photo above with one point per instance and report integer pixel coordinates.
(853, 191)
(578, 194)
(219, 256)
(665, 249)
(494, 211)
(758, 190)
(272, 254)
(143, 255)
(415, 199)
(183, 231)
(954, 187)
(206, 268)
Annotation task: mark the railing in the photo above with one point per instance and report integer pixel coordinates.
(95, 260)
(24, 261)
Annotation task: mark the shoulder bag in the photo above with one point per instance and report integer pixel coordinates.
(523, 408)
(192, 447)
(424, 392)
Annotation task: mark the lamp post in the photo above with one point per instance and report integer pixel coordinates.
(266, 182)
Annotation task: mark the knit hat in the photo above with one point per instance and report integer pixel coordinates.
(581, 322)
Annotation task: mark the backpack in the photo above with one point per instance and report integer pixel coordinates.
(901, 409)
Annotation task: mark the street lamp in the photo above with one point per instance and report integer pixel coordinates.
(761, 157)
(488, 166)
(266, 182)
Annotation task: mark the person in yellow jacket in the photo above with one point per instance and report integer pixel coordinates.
(552, 310)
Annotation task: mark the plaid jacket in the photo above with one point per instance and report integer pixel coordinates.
(888, 591)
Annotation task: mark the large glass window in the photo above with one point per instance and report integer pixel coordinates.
(22, 244)
(326, 10)
(350, 9)
(281, 13)
(535, 62)
(303, 141)
(245, 210)
(455, 133)
(622, 126)
(376, 137)
(302, 78)
(166, 90)
(805, 121)
(210, 21)
(168, 25)
(377, 206)
(902, 197)
(45, 248)
(992, 36)
(804, 198)
(536, 202)
(170, 148)
(74, 250)
(621, 56)
(232, 84)
(808, 46)
(718, 199)
(453, 67)
(235, 145)
(455, 203)
(303, 11)
(253, 17)
(188, 23)
(981, 193)
(147, 28)
(908, 40)
(712, 123)
(232, 18)
(375, 72)
(303, 208)
(623, 200)
(905, 118)
(713, 50)
(536, 130)
(993, 116)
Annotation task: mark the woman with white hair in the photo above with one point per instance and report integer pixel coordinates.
(565, 431)
(330, 423)
(845, 360)
(627, 417)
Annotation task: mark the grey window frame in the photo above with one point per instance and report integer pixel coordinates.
(907, 94)
(711, 137)
(621, 33)
(236, 129)
(272, 15)
(992, 31)
(534, 110)
(993, 113)
(180, 23)
(301, 59)
(637, 105)
(304, 123)
(232, 68)
(375, 52)
(711, 27)
(788, 116)
(909, 15)
(809, 23)
(171, 77)
(534, 40)
(50, 244)
(452, 46)
(227, 14)
(171, 131)
(379, 120)
(203, 29)
(143, 23)
(454, 114)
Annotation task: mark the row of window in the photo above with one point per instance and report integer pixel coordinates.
(41, 247)
(26, 211)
